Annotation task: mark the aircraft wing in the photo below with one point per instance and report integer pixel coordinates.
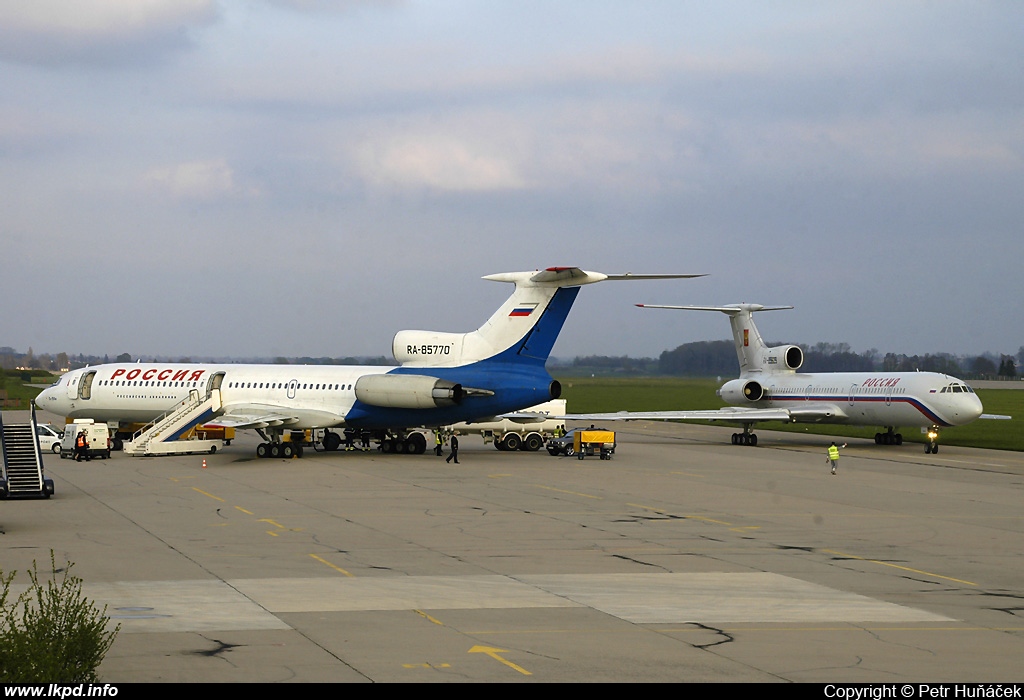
(252, 417)
(994, 416)
(808, 413)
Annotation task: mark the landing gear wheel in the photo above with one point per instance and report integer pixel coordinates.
(263, 449)
(927, 448)
(416, 444)
(331, 441)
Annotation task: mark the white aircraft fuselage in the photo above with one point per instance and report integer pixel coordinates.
(911, 399)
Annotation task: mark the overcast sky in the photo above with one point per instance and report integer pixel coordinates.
(305, 177)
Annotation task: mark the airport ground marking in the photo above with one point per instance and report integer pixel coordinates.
(247, 512)
(572, 493)
(662, 511)
(897, 566)
(426, 665)
(428, 617)
(336, 568)
(271, 533)
(493, 653)
(216, 498)
(272, 522)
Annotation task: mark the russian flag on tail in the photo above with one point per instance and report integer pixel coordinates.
(522, 310)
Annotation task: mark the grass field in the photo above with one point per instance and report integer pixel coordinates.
(18, 394)
(606, 395)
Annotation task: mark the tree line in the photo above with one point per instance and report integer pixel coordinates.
(706, 358)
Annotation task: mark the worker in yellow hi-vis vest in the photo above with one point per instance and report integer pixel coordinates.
(833, 456)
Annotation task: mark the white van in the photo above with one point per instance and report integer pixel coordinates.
(49, 437)
(97, 437)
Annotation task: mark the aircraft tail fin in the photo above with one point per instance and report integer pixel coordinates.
(751, 351)
(524, 328)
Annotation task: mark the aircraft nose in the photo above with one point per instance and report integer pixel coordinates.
(967, 408)
(973, 411)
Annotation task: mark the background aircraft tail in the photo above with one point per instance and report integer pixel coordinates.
(751, 351)
(525, 328)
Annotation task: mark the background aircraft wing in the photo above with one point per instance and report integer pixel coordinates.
(994, 416)
(526, 417)
(808, 413)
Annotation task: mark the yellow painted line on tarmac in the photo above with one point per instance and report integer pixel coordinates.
(493, 653)
(336, 568)
(209, 494)
(271, 533)
(426, 665)
(903, 568)
(272, 522)
(428, 617)
(571, 493)
(247, 512)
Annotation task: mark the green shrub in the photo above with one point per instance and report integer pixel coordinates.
(51, 633)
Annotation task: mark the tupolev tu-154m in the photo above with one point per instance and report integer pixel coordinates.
(442, 378)
(769, 388)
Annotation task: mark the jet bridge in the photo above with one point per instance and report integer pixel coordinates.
(174, 432)
(22, 475)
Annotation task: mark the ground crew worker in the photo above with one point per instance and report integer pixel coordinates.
(81, 447)
(833, 456)
(437, 442)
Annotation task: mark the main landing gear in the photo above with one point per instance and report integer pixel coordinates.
(275, 448)
(747, 437)
(409, 444)
(889, 437)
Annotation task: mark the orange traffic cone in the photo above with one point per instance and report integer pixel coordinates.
(204, 462)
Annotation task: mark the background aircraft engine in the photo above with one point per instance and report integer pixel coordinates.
(784, 356)
(407, 391)
(740, 390)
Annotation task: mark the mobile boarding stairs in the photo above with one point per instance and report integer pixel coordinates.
(174, 433)
(22, 475)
